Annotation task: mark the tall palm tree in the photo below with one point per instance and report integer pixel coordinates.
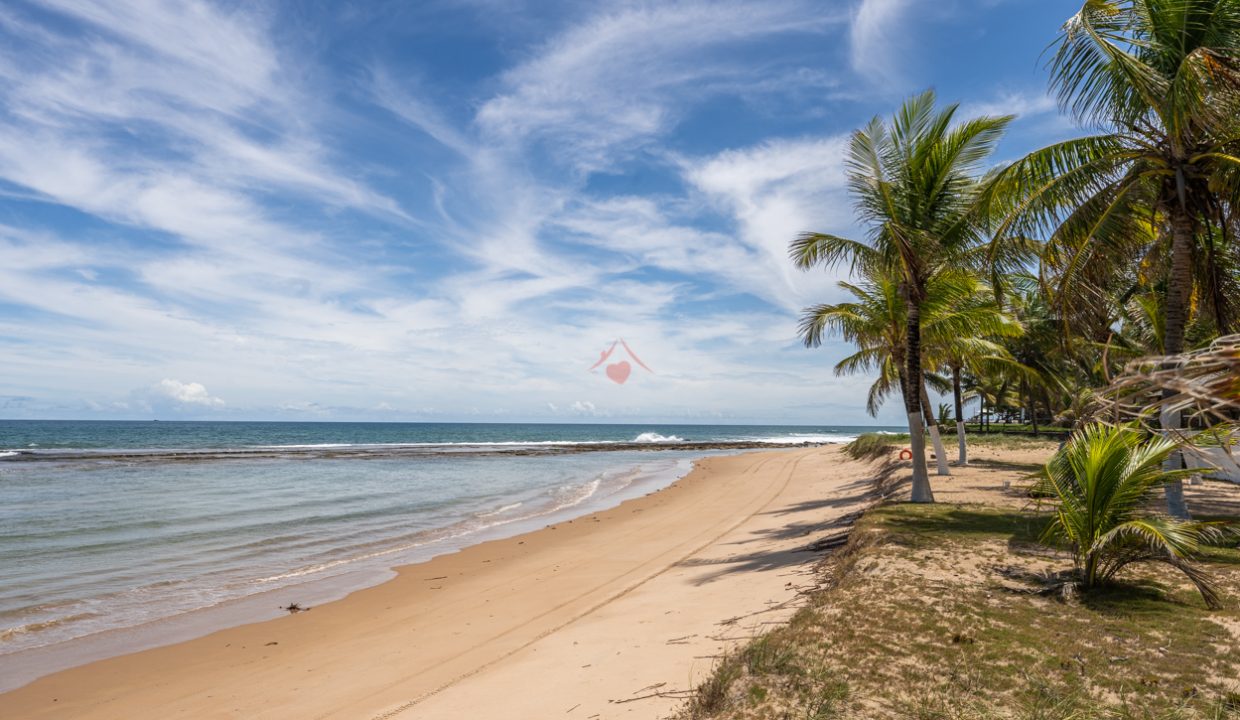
(966, 335)
(995, 392)
(874, 321)
(1161, 80)
(959, 316)
(914, 182)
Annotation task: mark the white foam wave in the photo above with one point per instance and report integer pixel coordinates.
(8, 453)
(304, 447)
(806, 438)
(499, 511)
(654, 437)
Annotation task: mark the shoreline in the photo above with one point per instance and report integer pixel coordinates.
(388, 450)
(43, 660)
(540, 583)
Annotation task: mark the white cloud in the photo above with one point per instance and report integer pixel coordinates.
(1021, 104)
(398, 99)
(190, 393)
(542, 273)
(610, 83)
(775, 191)
(877, 38)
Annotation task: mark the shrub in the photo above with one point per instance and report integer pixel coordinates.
(1102, 480)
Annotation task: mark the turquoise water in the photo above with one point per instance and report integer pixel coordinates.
(93, 539)
(18, 436)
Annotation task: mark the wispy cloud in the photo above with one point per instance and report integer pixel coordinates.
(1022, 104)
(204, 204)
(774, 192)
(615, 81)
(876, 38)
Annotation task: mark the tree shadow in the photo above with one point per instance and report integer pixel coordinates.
(818, 535)
(937, 522)
(762, 561)
(1005, 465)
(1142, 600)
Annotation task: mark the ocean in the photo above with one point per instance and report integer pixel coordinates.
(114, 529)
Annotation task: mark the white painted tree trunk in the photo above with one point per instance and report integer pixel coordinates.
(1174, 490)
(964, 445)
(917, 443)
(940, 458)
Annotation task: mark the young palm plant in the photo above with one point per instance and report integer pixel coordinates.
(914, 182)
(1103, 479)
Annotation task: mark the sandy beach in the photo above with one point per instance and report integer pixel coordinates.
(582, 619)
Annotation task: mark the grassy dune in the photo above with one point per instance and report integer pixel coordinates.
(946, 611)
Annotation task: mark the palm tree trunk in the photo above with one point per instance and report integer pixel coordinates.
(1033, 411)
(912, 402)
(940, 457)
(958, 396)
(1175, 309)
(1091, 570)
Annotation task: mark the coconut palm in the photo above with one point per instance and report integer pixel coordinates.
(959, 316)
(966, 335)
(994, 392)
(1161, 80)
(1102, 479)
(874, 322)
(914, 182)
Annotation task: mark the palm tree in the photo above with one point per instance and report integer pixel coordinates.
(1161, 80)
(958, 317)
(914, 182)
(1102, 479)
(945, 414)
(993, 391)
(965, 334)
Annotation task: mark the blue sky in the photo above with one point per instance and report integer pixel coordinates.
(448, 210)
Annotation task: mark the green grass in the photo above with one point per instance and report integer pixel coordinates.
(875, 446)
(878, 446)
(1002, 441)
(940, 611)
(998, 427)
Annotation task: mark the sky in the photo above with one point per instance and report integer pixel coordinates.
(447, 211)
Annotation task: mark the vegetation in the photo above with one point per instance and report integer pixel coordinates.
(1161, 80)
(952, 611)
(1072, 261)
(874, 446)
(1101, 480)
(1091, 286)
(915, 183)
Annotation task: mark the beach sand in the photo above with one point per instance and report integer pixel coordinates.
(578, 620)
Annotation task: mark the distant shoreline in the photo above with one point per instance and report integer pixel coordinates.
(411, 450)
